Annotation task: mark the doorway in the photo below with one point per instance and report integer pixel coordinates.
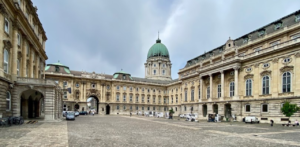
(107, 109)
(227, 110)
(215, 108)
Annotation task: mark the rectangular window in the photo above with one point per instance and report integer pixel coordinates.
(142, 108)
(192, 95)
(148, 99)
(18, 67)
(137, 98)
(219, 90)
(153, 99)
(130, 107)
(247, 108)
(274, 43)
(137, 108)
(148, 108)
(176, 99)
(165, 101)
(124, 88)
(65, 83)
(6, 25)
(65, 95)
(118, 87)
(153, 108)
(143, 99)
(172, 100)
(231, 87)
(265, 108)
(185, 96)
(118, 97)
(130, 98)
(118, 107)
(295, 36)
(208, 92)
(19, 39)
(124, 107)
(124, 98)
(199, 94)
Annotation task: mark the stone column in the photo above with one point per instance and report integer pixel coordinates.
(14, 53)
(222, 85)
(150, 68)
(24, 57)
(236, 82)
(210, 86)
(37, 67)
(201, 88)
(49, 100)
(31, 64)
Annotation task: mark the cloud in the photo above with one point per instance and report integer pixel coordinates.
(106, 36)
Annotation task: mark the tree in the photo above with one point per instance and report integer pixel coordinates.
(171, 111)
(289, 109)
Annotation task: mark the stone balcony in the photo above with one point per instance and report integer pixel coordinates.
(34, 81)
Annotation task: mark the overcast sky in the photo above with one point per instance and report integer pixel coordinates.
(106, 36)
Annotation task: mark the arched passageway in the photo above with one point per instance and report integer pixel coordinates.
(215, 108)
(32, 104)
(204, 110)
(107, 109)
(93, 104)
(227, 110)
(76, 107)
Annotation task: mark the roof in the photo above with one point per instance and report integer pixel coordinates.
(158, 49)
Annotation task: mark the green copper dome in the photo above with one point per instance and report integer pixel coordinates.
(158, 49)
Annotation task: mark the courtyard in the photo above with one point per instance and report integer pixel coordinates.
(100, 130)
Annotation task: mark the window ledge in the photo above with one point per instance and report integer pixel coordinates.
(286, 93)
(265, 95)
(250, 96)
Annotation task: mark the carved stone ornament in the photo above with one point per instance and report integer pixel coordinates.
(77, 94)
(248, 76)
(286, 68)
(206, 81)
(275, 60)
(230, 79)
(16, 25)
(256, 65)
(7, 44)
(3, 10)
(297, 55)
(266, 72)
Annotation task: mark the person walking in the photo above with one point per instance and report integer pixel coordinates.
(130, 114)
(93, 113)
(272, 122)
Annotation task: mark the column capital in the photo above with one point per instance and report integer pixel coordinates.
(236, 67)
(210, 74)
(222, 71)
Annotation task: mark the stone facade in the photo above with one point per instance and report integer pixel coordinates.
(251, 75)
(24, 92)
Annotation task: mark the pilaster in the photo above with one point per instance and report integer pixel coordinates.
(236, 82)
(222, 85)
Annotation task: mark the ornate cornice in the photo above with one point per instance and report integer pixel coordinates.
(266, 72)
(287, 68)
(248, 76)
(7, 44)
(3, 10)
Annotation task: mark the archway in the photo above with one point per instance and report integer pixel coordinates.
(204, 110)
(215, 108)
(32, 104)
(76, 107)
(227, 110)
(107, 109)
(93, 104)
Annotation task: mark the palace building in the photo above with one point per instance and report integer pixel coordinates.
(24, 91)
(252, 75)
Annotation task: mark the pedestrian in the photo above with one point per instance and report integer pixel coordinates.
(93, 113)
(130, 114)
(271, 121)
(296, 123)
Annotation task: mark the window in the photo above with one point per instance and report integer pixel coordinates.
(176, 99)
(247, 108)
(231, 89)
(143, 99)
(124, 97)
(137, 89)
(184, 108)
(118, 107)
(8, 101)
(264, 107)
(192, 95)
(163, 72)
(154, 65)
(27, 49)
(153, 90)
(148, 108)
(124, 107)
(199, 96)
(165, 101)
(93, 85)
(18, 67)
(130, 88)
(219, 90)
(286, 60)
(6, 26)
(153, 108)
(185, 96)
(65, 83)
(148, 99)
(164, 65)
(19, 39)
(65, 95)
(274, 43)
(277, 26)
(286, 82)
(295, 36)
(249, 69)
(56, 68)
(124, 77)
(6, 61)
(154, 72)
(245, 40)
(137, 98)
(261, 32)
(172, 100)
(77, 85)
(266, 65)
(107, 87)
(153, 99)
(118, 87)
(248, 87)
(130, 107)
(148, 90)
(175, 108)
(142, 108)
(265, 85)
(297, 18)
(257, 49)
(124, 88)
(130, 98)
(208, 92)
(231, 73)
(118, 97)
(143, 89)
(137, 108)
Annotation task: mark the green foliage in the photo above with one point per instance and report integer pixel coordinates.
(171, 111)
(289, 109)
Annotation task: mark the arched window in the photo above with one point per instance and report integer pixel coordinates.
(6, 61)
(231, 89)
(8, 101)
(286, 82)
(266, 85)
(248, 87)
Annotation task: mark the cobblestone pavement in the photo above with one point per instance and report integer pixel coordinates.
(38, 134)
(147, 131)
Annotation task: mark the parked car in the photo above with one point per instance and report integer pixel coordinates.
(251, 119)
(64, 113)
(182, 115)
(83, 113)
(76, 113)
(70, 115)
